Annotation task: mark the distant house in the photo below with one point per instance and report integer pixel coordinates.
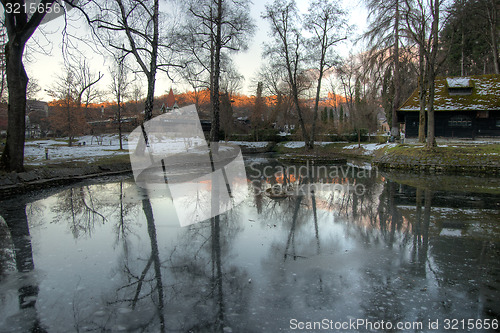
(382, 123)
(35, 122)
(465, 107)
(170, 103)
(37, 113)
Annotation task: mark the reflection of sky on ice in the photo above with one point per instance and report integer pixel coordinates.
(308, 258)
(168, 153)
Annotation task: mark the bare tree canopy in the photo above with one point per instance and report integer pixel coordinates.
(20, 26)
(327, 22)
(212, 28)
(384, 39)
(75, 88)
(138, 29)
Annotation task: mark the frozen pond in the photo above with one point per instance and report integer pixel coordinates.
(355, 253)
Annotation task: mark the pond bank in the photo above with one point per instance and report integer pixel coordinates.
(448, 157)
(474, 159)
(456, 157)
(18, 183)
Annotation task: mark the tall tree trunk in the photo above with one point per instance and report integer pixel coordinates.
(492, 15)
(215, 129)
(119, 116)
(151, 75)
(462, 60)
(292, 77)
(422, 94)
(19, 30)
(431, 139)
(421, 113)
(70, 128)
(301, 118)
(17, 80)
(316, 103)
(148, 106)
(397, 70)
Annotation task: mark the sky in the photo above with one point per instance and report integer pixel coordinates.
(46, 66)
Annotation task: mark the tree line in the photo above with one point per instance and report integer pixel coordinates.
(408, 43)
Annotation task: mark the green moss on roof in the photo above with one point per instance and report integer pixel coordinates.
(485, 95)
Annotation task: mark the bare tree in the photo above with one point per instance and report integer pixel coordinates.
(384, 36)
(86, 80)
(274, 84)
(489, 9)
(138, 29)
(216, 26)
(287, 50)
(347, 76)
(3, 67)
(230, 80)
(20, 27)
(423, 25)
(33, 88)
(136, 93)
(327, 23)
(118, 87)
(417, 27)
(76, 88)
(257, 115)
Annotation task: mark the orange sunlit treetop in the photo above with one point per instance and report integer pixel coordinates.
(106, 104)
(243, 101)
(203, 97)
(336, 99)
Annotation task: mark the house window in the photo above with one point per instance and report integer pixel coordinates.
(460, 121)
(462, 91)
(483, 114)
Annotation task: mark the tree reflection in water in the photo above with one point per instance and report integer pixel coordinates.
(393, 252)
(79, 206)
(16, 219)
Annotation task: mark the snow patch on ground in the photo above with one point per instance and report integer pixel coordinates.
(294, 144)
(260, 144)
(87, 148)
(370, 148)
(364, 165)
(34, 151)
(451, 232)
(301, 144)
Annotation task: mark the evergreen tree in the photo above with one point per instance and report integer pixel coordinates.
(468, 40)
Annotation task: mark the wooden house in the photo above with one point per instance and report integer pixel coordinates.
(465, 107)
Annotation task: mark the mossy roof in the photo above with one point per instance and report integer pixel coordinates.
(485, 94)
